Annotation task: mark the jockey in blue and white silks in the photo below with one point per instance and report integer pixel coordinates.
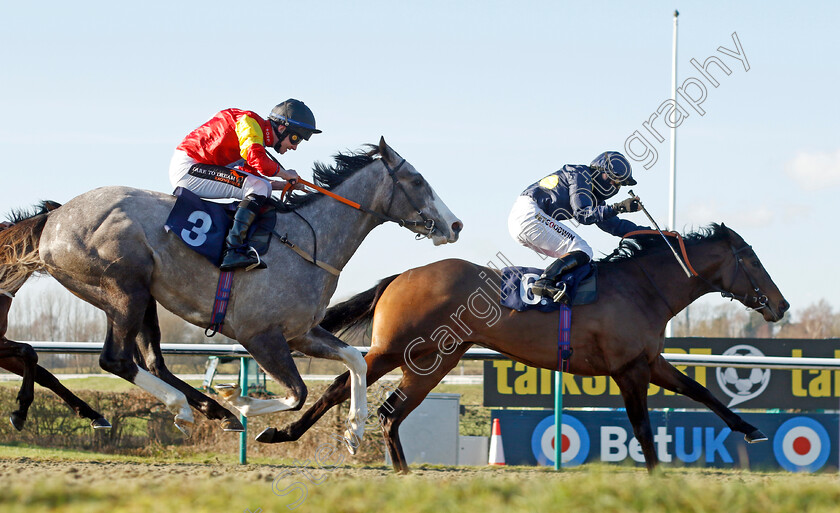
(542, 216)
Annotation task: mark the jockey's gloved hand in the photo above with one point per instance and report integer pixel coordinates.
(628, 205)
(287, 174)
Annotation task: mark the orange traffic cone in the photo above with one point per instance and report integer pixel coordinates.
(497, 452)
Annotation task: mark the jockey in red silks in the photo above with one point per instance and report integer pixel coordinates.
(226, 158)
(575, 194)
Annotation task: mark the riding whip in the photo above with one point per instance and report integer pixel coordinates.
(684, 268)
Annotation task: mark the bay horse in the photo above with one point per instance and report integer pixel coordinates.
(425, 319)
(108, 247)
(21, 359)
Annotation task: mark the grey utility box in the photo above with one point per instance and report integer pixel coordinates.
(474, 450)
(430, 433)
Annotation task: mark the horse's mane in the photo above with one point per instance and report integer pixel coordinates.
(641, 245)
(21, 214)
(330, 177)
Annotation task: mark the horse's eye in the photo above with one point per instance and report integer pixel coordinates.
(417, 182)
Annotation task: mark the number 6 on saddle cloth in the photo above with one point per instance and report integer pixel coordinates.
(203, 225)
(517, 281)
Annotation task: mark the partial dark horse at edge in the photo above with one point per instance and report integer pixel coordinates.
(21, 359)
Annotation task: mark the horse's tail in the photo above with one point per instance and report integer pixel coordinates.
(355, 310)
(19, 243)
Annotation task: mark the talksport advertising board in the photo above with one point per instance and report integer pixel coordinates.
(512, 384)
(798, 442)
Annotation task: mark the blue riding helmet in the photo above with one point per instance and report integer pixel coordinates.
(296, 116)
(615, 165)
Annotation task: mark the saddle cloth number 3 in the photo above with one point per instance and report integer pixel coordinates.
(201, 224)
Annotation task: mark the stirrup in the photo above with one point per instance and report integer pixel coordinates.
(259, 261)
(247, 260)
(551, 292)
(559, 294)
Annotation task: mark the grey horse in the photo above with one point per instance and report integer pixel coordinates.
(109, 247)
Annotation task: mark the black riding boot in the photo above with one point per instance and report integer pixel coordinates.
(546, 286)
(238, 253)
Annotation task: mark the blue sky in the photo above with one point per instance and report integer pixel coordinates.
(484, 98)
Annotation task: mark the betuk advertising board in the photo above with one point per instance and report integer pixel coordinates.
(798, 442)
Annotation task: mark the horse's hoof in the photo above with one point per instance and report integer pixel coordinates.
(267, 436)
(16, 420)
(232, 424)
(228, 390)
(755, 436)
(351, 441)
(184, 427)
(100, 423)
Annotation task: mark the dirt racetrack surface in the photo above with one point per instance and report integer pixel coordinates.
(97, 484)
(93, 472)
(91, 486)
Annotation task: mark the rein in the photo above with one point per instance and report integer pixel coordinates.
(760, 298)
(427, 223)
(669, 234)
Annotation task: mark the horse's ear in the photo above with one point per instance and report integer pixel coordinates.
(729, 233)
(391, 157)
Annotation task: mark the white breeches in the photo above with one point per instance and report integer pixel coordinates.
(535, 229)
(217, 183)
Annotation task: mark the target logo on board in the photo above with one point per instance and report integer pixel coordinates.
(801, 444)
(575, 442)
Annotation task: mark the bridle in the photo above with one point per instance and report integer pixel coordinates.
(427, 223)
(760, 299)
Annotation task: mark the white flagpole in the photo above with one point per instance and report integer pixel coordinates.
(672, 190)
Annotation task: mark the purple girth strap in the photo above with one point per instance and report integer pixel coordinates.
(564, 345)
(221, 303)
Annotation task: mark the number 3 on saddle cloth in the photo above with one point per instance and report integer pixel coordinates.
(581, 289)
(203, 226)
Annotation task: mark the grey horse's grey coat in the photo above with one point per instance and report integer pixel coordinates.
(109, 247)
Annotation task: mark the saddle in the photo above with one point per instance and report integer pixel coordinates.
(203, 225)
(581, 288)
